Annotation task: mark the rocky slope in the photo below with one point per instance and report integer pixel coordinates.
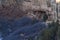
(11, 9)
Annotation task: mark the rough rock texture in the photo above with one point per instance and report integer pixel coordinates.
(11, 9)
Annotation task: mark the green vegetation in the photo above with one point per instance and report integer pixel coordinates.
(51, 32)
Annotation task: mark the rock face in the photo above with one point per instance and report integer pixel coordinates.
(17, 8)
(5, 2)
(35, 4)
(25, 3)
